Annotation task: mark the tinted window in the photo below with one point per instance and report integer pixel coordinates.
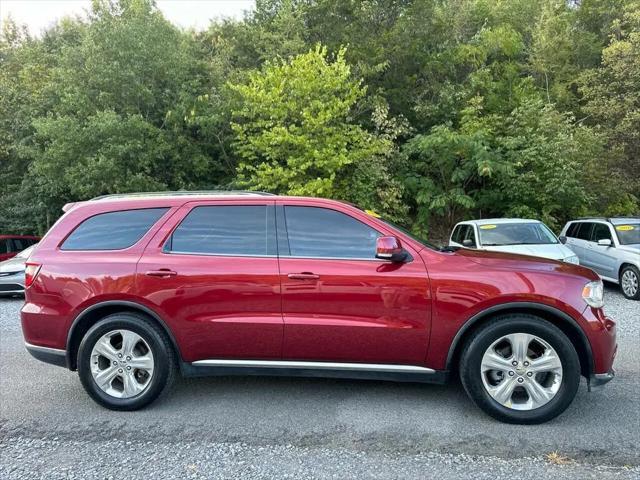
(571, 231)
(226, 230)
(469, 234)
(320, 232)
(456, 236)
(600, 232)
(584, 231)
(20, 244)
(4, 246)
(113, 230)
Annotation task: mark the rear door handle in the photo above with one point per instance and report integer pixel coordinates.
(162, 272)
(303, 276)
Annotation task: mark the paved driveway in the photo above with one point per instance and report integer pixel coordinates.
(308, 428)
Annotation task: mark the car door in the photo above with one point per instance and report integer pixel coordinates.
(339, 302)
(212, 273)
(578, 237)
(603, 258)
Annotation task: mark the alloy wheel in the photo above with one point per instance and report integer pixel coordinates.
(122, 363)
(629, 283)
(521, 371)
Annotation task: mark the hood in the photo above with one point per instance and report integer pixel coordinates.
(519, 262)
(555, 251)
(14, 264)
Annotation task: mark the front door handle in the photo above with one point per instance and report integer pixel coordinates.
(162, 272)
(303, 276)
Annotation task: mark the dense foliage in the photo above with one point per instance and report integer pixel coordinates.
(428, 111)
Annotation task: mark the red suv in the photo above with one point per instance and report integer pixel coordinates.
(127, 290)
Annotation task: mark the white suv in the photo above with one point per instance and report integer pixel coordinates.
(610, 247)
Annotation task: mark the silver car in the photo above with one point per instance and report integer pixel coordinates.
(12, 273)
(610, 247)
(512, 235)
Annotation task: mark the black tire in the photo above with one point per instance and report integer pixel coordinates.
(483, 338)
(164, 370)
(635, 272)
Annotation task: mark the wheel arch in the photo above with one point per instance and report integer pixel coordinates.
(91, 315)
(557, 317)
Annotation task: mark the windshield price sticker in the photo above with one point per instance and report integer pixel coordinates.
(624, 228)
(487, 227)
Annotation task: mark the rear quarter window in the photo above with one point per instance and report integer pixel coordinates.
(113, 230)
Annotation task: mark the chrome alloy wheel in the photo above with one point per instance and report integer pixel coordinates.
(629, 283)
(122, 363)
(521, 371)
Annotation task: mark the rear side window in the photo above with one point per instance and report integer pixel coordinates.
(325, 233)
(113, 230)
(584, 231)
(226, 230)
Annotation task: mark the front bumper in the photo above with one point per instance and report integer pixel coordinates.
(597, 380)
(53, 356)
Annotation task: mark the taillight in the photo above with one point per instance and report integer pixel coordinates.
(30, 273)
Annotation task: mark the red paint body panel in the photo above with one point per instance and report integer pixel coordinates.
(369, 311)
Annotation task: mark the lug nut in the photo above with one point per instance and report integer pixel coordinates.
(514, 363)
(520, 380)
(115, 363)
(128, 358)
(526, 364)
(119, 355)
(511, 374)
(128, 368)
(529, 374)
(119, 370)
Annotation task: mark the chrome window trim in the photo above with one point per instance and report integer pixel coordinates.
(371, 367)
(246, 255)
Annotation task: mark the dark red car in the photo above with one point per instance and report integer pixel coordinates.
(11, 245)
(127, 290)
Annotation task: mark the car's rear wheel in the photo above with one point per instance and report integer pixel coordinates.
(520, 369)
(125, 361)
(630, 282)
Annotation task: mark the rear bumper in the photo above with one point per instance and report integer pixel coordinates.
(53, 356)
(598, 380)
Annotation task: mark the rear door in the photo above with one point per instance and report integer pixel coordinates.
(212, 272)
(578, 237)
(339, 302)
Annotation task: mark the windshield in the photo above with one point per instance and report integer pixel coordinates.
(26, 252)
(516, 234)
(628, 234)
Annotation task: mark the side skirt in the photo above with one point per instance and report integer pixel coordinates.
(278, 368)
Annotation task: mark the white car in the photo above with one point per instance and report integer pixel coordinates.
(511, 235)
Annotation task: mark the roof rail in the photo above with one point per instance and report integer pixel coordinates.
(183, 193)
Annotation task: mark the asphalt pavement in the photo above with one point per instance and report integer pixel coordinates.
(252, 427)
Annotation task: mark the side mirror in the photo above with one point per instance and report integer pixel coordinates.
(390, 248)
(562, 239)
(604, 242)
(468, 243)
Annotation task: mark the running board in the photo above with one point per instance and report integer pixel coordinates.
(370, 371)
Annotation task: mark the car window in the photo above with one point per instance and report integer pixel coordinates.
(4, 246)
(516, 234)
(572, 230)
(26, 252)
(628, 234)
(469, 234)
(456, 237)
(322, 232)
(112, 230)
(600, 232)
(584, 231)
(226, 230)
(20, 244)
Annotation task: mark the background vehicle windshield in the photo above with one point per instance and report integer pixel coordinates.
(628, 234)
(516, 234)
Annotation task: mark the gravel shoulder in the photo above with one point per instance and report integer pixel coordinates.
(308, 428)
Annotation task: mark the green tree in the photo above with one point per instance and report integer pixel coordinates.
(295, 131)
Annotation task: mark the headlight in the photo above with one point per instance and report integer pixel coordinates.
(573, 259)
(593, 294)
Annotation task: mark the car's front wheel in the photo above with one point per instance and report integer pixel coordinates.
(125, 361)
(520, 369)
(630, 282)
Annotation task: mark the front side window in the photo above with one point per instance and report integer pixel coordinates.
(516, 234)
(226, 230)
(584, 231)
(325, 233)
(601, 232)
(113, 230)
